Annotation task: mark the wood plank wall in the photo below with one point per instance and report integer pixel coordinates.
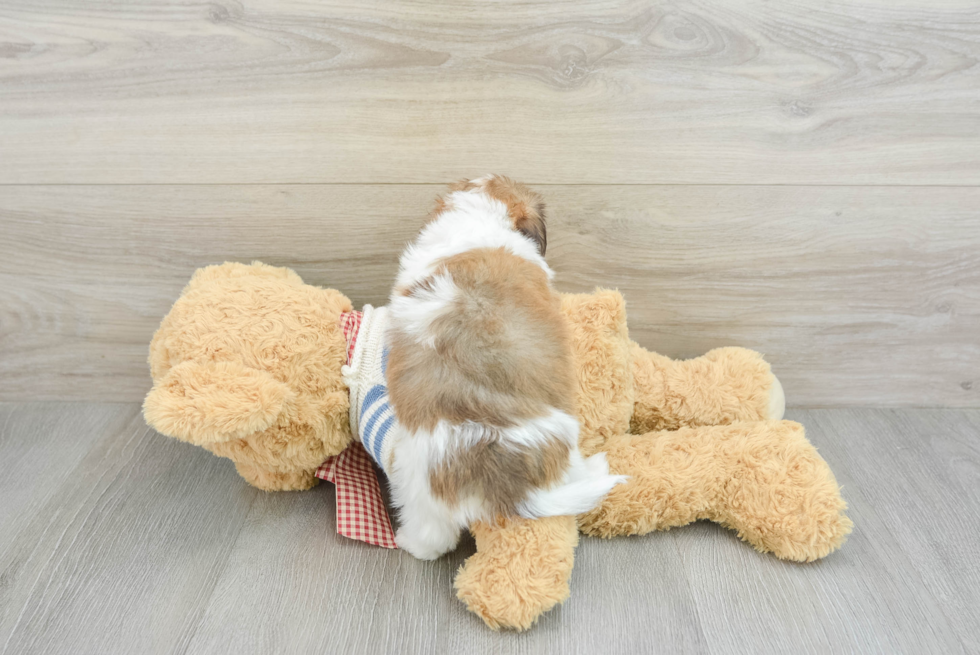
(798, 177)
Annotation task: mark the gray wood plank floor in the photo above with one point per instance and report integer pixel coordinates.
(114, 539)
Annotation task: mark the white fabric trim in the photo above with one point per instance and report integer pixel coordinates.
(366, 372)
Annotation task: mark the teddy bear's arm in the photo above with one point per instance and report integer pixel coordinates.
(206, 403)
(520, 570)
(720, 387)
(762, 479)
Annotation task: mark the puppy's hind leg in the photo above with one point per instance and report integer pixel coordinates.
(428, 529)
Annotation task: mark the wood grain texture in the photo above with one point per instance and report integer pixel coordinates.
(857, 599)
(136, 543)
(318, 592)
(32, 438)
(890, 461)
(258, 91)
(856, 295)
(119, 553)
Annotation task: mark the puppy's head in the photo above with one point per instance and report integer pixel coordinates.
(524, 207)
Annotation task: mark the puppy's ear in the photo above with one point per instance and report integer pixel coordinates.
(531, 224)
(523, 206)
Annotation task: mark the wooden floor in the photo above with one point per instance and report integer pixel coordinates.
(114, 539)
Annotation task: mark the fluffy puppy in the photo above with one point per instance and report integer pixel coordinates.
(479, 374)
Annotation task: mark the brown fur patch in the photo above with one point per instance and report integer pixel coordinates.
(500, 475)
(525, 208)
(422, 285)
(442, 204)
(501, 355)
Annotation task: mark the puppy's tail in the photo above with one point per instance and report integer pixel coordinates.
(586, 484)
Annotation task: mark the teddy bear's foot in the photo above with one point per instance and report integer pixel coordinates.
(722, 386)
(520, 570)
(762, 479)
(276, 480)
(783, 498)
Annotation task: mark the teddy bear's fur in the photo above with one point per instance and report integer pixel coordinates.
(697, 441)
(247, 364)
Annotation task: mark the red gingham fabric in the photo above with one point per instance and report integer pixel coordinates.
(361, 511)
(350, 323)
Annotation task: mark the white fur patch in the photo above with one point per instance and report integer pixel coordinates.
(472, 220)
(482, 181)
(536, 432)
(430, 528)
(586, 483)
(416, 313)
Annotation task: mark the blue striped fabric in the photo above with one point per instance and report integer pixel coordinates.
(377, 416)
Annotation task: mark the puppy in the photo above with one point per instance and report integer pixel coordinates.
(479, 374)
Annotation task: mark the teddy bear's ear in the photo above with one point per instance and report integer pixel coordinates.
(211, 402)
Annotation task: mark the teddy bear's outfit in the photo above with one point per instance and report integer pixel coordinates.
(361, 512)
(371, 415)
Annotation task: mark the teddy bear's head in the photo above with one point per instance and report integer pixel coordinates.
(248, 364)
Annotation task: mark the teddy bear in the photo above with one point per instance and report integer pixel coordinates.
(249, 363)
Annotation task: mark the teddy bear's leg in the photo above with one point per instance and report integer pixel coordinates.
(520, 570)
(762, 479)
(720, 387)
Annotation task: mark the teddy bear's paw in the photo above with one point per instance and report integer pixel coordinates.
(792, 507)
(520, 570)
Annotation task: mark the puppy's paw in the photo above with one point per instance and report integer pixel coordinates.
(424, 546)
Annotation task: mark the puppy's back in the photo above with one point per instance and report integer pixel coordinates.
(479, 365)
(481, 340)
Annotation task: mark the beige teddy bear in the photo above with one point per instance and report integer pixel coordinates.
(247, 364)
